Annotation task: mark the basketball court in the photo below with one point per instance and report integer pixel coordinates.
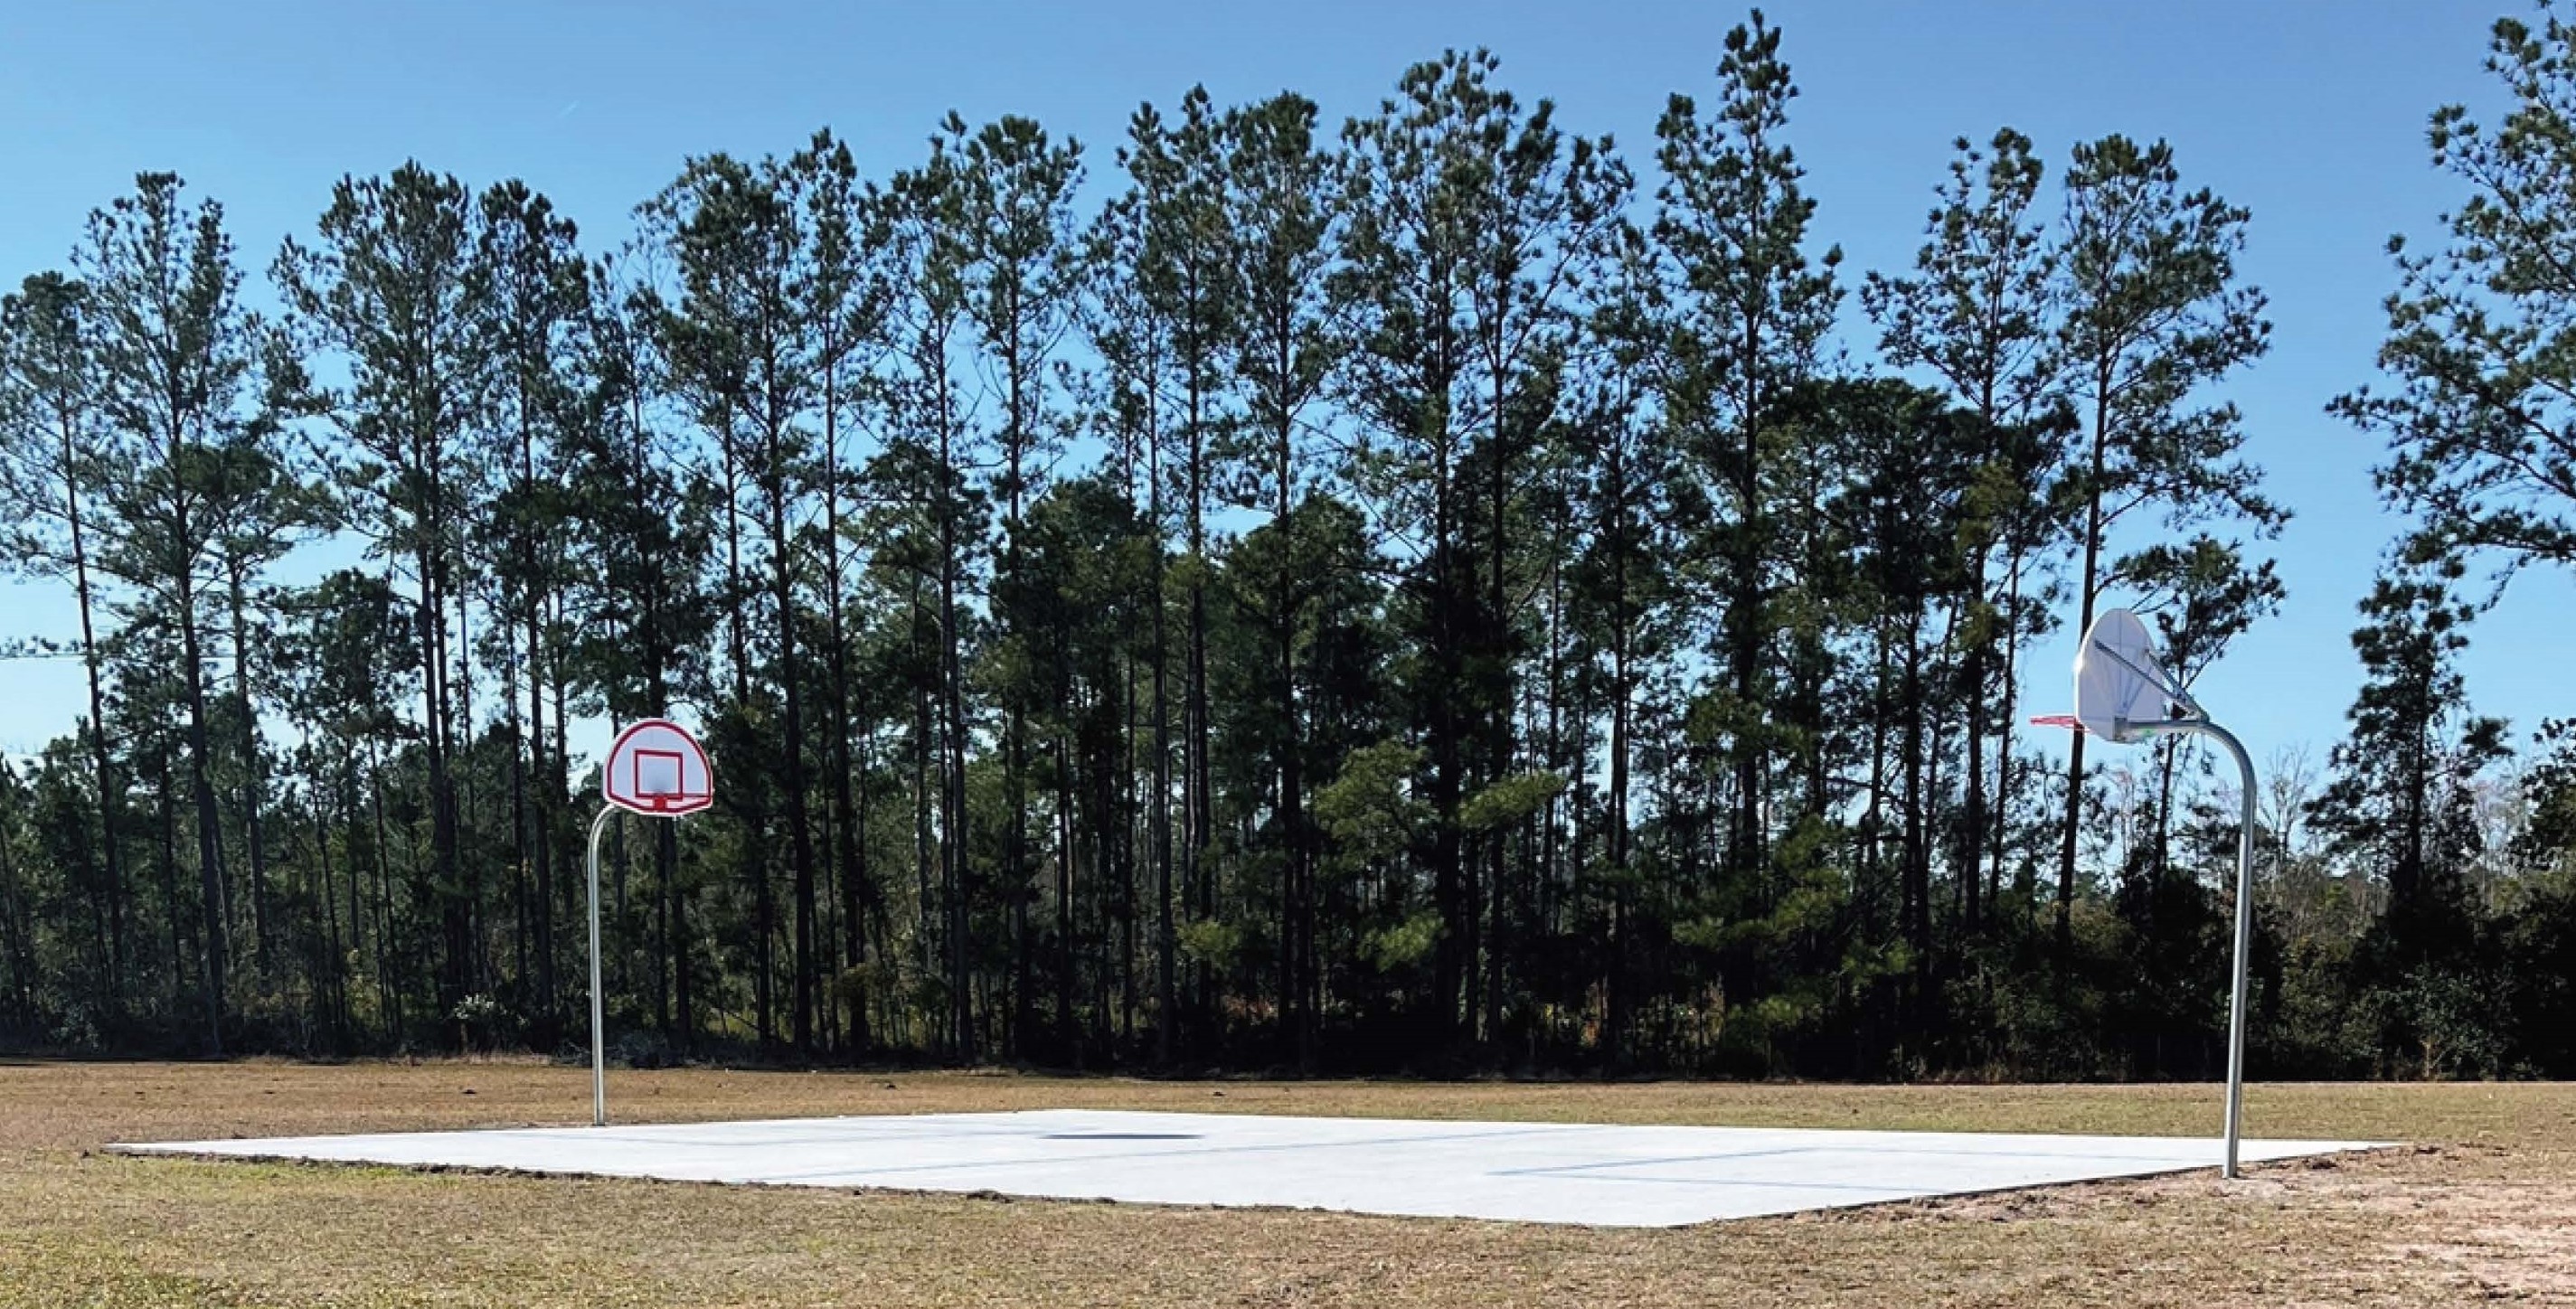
(1596, 1175)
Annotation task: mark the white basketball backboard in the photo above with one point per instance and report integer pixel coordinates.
(2118, 683)
(656, 768)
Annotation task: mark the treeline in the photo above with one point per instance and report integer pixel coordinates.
(1423, 597)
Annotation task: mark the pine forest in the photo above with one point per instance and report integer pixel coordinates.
(1436, 593)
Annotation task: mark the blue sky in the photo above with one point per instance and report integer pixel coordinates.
(2309, 113)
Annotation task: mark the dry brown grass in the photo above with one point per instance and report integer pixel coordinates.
(2485, 1209)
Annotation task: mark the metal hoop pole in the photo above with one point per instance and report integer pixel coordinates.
(2244, 939)
(598, 1010)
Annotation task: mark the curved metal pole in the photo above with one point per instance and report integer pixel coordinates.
(2244, 933)
(598, 1022)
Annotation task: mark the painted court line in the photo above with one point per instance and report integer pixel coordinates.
(1593, 1174)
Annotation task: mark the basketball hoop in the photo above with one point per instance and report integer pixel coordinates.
(2124, 696)
(2135, 731)
(657, 769)
(654, 768)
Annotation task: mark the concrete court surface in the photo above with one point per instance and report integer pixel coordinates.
(1600, 1175)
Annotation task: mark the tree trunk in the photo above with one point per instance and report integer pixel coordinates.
(254, 782)
(800, 838)
(111, 856)
(1167, 1012)
(2085, 596)
(542, 822)
(201, 790)
(755, 865)
(847, 814)
(952, 707)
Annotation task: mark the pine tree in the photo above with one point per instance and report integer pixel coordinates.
(641, 537)
(2403, 798)
(929, 450)
(1187, 279)
(2203, 594)
(846, 292)
(1627, 496)
(1132, 340)
(2478, 422)
(1751, 308)
(1279, 207)
(1018, 262)
(2414, 746)
(2155, 313)
(533, 306)
(1975, 313)
(55, 457)
(740, 337)
(265, 509)
(388, 297)
(173, 350)
(350, 645)
(1400, 293)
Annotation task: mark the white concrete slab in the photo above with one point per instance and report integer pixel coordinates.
(1528, 1172)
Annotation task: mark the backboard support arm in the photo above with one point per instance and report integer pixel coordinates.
(2180, 697)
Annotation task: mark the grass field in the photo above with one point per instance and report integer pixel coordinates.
(2482, 1209)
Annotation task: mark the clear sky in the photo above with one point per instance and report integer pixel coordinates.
(2310, 113)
